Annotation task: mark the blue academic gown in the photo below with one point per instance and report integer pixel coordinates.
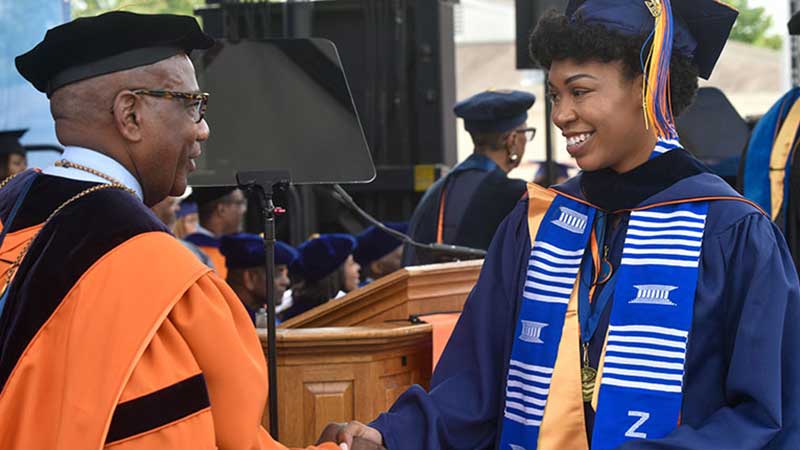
(479, 195)
(742, 380)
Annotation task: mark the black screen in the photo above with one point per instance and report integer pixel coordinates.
(528, 13)
(280, 104)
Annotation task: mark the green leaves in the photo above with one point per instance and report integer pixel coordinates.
(753, 26)
(81, 8)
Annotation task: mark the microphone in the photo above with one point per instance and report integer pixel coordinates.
(456, 251)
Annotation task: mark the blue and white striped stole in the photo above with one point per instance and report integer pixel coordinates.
(642, 369)
(663, 146)
(642, 374)
(552, 269)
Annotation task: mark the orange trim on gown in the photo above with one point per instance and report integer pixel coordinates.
(443, 326)
(218, 259)
(133, 324)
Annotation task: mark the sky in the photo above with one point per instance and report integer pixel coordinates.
(778, 9)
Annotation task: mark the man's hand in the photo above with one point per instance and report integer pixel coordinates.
(352, 436)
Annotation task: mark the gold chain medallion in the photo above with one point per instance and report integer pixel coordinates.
(67, 164)
(588, 377)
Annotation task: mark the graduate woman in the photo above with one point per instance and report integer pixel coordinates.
(325, 269)
(640, 305)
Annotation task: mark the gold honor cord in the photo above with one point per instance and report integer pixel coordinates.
(63, 163)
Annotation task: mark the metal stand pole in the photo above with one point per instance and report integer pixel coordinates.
(264, 184)
(268, 214)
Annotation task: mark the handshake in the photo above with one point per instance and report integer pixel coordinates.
(352, 436)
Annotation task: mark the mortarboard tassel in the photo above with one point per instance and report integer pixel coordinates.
(656, 92)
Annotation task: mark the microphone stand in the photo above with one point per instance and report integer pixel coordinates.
(264, 184)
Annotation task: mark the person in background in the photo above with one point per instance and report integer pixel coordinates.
(379, 253)
(186, 219)
(643, 304)
(325, 269)
(13, 158)
(245, 256)
(770, 173)
(166, 210)
(114, 336)
(220, 212)
(466, 206)
(562, 174)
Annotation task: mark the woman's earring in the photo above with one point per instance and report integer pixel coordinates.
(513, 157)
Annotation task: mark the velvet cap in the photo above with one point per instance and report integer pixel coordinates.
(246, 251)
(321, 256)
(91, 46)
(374, 243)
(9, 142)
(494, 111)
(207, 194)
(186, 208)
(700, 31)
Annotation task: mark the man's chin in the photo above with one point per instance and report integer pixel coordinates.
(178, 187)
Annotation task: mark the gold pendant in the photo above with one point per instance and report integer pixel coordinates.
(588, 375)
(654, 6)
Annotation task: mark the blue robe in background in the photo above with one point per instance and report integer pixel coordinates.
(479, 195)
(742, 381)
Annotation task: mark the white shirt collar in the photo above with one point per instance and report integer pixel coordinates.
(97, 161)
(205, 231)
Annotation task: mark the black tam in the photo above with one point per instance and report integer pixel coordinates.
(111, 42)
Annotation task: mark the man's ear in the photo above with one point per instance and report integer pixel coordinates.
(127, 115)
(219, 208)
(248, 279)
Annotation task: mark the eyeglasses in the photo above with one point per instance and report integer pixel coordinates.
(197, 100)
(529, 133)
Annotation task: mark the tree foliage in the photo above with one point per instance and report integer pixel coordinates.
(81, 8)
(753, 26)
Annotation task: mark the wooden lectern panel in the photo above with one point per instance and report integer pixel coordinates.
(369, 354)
(410, 291)
(345, 373)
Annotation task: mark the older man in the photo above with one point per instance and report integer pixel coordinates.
(113, 334)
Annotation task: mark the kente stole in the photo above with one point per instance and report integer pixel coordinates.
(642, 366)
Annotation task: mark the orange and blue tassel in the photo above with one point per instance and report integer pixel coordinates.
(656, 90)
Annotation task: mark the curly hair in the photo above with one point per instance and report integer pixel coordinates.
(557, 37)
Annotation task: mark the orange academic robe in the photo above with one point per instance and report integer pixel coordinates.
(148, 349)
(210, 246)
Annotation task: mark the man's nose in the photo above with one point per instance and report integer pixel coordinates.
(203, 130)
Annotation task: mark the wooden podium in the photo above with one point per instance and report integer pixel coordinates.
(350, 358)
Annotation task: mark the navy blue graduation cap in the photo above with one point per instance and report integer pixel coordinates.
(700, 27)
(374, 243)
(246, 250)
(697, 29)
(494, 111)
(111, 42)
(9, 142)
(186, 208)
(321, 256)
